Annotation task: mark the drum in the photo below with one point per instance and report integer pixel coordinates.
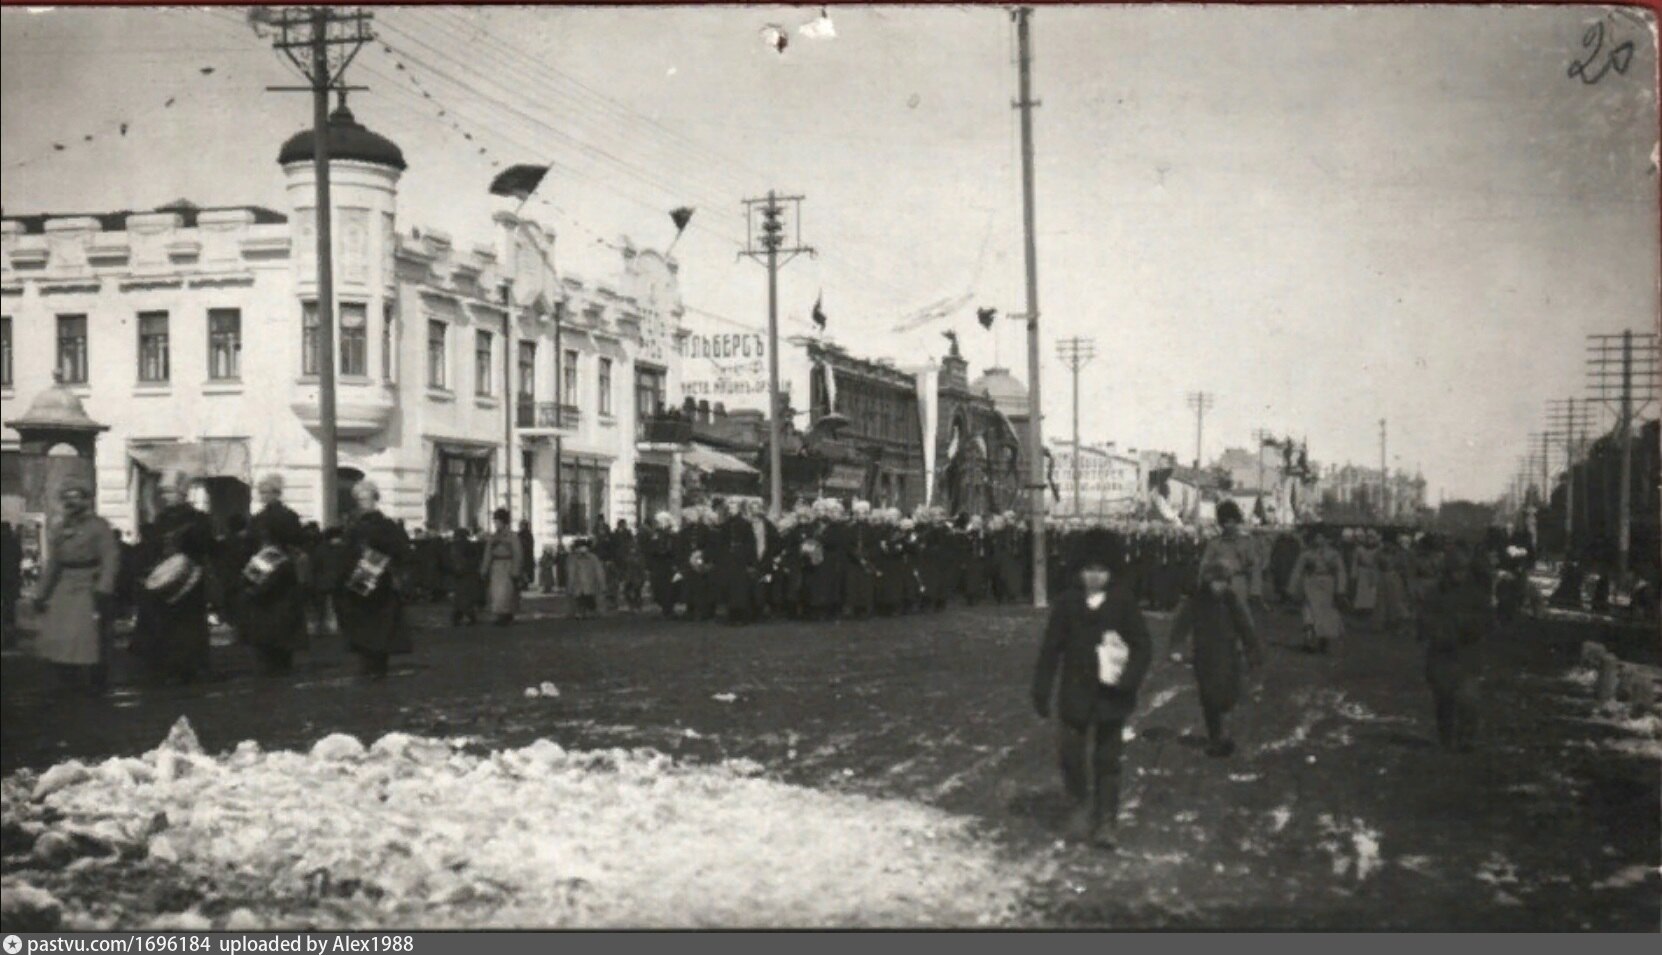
(263, 565)
(173, 578)
(369, 573)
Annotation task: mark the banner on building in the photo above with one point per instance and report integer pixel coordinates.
(727, 364)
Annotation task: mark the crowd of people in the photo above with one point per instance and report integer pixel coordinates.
(1097, 651)
(280, 582)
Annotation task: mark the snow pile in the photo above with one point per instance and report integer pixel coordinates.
(413, 831)
(1353, 846)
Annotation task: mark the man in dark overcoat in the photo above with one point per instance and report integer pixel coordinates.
(274, 606)
(1094, 657)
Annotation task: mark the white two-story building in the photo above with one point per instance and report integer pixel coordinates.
(191, 335)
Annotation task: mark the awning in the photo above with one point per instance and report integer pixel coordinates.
(610, 348)
(709, 459)
(208, 458)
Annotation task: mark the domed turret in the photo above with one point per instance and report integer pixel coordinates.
(56, 408)
(1008, 394)
(349, 141)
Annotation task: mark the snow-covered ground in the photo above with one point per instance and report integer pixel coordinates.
(417, 831)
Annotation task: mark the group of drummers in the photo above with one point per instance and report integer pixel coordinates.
(262, 581)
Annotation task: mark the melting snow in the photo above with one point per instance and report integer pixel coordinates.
(414, 831)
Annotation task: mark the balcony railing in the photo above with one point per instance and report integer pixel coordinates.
(663, 430)
(529, 413)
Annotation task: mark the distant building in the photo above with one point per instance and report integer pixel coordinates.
(1111, 483)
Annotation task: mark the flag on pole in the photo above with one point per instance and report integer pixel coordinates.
(519, 181)
(985, 316)
(819, 311)
(681, 217)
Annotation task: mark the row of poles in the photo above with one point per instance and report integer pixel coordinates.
(321, 43)
(1621, 378)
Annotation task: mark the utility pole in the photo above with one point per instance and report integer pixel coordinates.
(1384, 478)
(305, 38)
(1569, 422)
(1076, 353)
(766, 249)
(1035, 418)
(1615, 380)
(1201, 402)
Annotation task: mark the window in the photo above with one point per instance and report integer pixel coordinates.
(436, 377)
(354, 339)
(389, 347)
(482, 363)
(569, 372)
(72, 349)
(152, 343)
(528, 369)
(224, 344)
(5, 351)
(308, 338)
(604, 375)
(649, 392)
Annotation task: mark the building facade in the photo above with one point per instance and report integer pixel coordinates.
(1111, 484)
(462, 375)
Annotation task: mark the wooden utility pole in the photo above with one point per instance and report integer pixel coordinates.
(1035, 415)
(305, 39)
(1201, 402)
(1076, 353)
(1569, 422)
(1384, 478)
(766, 249)
(1622, 373)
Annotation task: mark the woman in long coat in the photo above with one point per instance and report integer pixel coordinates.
(1318, 583)
(1395, 611)
(173, 631)
(1365, 575)
(367, 602)
(273, 619)
(501, 569)
(1221, 628)
(77, 591)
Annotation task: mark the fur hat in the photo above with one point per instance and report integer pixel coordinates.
(1094, 547)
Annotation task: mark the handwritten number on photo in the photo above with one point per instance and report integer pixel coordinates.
(1618, 58)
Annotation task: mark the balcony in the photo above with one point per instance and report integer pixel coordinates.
(363, 407)
(663, 430)
(546, 417)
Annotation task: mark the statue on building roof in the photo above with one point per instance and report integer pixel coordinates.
(952, 337)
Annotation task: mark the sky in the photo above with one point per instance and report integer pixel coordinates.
(1322, 216)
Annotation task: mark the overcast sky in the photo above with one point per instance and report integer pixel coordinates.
(1323, 216)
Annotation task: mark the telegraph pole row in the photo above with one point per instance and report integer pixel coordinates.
(1622, 373)
(1569, 422)
(1076, 353)
(305, 38)
(766, 249)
